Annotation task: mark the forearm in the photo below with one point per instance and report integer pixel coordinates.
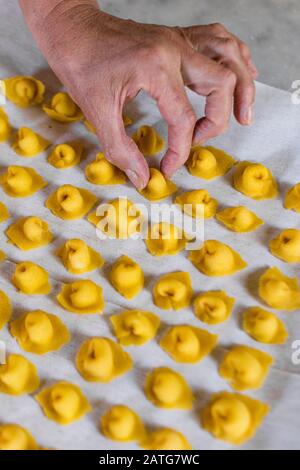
(37, 11)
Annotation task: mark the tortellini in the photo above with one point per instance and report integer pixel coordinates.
(5, 127)
(213, 307)
(78, 257)
(5, 309)
(245, 368)
(165, 239)
(29, 233)
(239, 219)
(166, 388)
(120, 218)
(197, 203)
(24, 91)
(63, 109)
(102, 360)
(66, 155)
(69, 202)
(30, 278)
(264, 326)
(292, 198)
(158, 186)
(39, 332)
(21, 181)
(148, 140)
(121, 423)
(63, 402)
(135, 327)
(208, 162)
(255, 180)
(165, 439)
(127, 277)
(188, 344)
(173, 291)
(279, 291)
(18, 376)
(28, 143)
(286, 246)
(102, 172)
(81, 297)
(4, 214)
(15, 437)
(232, 417)
(214, 258)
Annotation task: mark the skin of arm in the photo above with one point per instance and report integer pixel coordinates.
(104, 61)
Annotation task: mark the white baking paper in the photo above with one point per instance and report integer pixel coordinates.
(274, 140)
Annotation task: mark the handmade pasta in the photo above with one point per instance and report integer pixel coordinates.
(63, 402)
(63, 109)
(173, 291)
(255, 180)
(214, 258)
(166, 388)
(24, 91)
(264, 326)
(66, 155)
(20, 181)
(69, 202)
(102, 360)
(28, 143)
(18, 376)
(286, 245)
(102, 172)
(245, 368)
(208, 162)
(213, 307)
(81, 297)
(188, 344)
(158, 186)
(28, 233)
(232, 417)
(279, 291)
(39, 332)
(121, 423)
(78, 257)
(135, 327)
(127, 277)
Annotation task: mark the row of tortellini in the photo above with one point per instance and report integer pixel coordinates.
(65, 403)
(121, 218)
(228, 416)
(170, 291)
(252, 179)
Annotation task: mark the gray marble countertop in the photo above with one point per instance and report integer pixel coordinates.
(270, 27)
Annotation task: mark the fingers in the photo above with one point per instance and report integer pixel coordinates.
(118, 147)
(179, 114)
(217, 83)
(220, 45)
(228, 50)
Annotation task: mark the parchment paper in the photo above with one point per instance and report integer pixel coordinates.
(273, 140)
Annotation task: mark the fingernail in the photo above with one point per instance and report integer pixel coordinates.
(135, 179)
(248, 115)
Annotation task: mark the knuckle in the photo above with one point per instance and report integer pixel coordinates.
(156, 52)
(227, 78)
(217, 28)
(231, 45)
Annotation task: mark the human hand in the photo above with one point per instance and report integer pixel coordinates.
(105, 61)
